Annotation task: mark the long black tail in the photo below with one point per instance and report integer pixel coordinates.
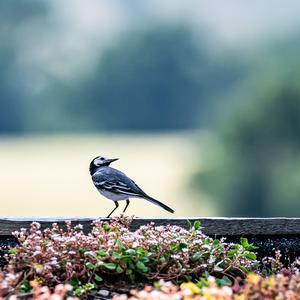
(154, 201)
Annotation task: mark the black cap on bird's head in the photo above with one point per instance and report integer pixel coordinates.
(100, 161)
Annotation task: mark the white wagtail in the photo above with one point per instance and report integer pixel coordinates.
(115, 185)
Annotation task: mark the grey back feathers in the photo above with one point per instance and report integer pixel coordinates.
(115, 181)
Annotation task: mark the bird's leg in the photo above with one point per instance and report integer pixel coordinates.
(127, 203)
(117, 205)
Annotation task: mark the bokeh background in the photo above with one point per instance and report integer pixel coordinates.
(200, 100)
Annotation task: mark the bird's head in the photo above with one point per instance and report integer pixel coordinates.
(100, 161)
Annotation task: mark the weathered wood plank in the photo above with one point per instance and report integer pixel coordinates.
(211, 226)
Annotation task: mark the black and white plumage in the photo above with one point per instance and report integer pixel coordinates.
(115, 185)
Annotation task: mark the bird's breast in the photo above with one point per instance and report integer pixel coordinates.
(112, 196)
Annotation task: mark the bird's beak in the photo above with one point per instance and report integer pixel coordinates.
(112, 159)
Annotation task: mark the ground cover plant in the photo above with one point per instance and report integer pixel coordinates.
(256, 287)
(112, 253)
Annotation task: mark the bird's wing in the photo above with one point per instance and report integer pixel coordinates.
(117, 182)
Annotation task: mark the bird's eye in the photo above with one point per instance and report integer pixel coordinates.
(102, 158)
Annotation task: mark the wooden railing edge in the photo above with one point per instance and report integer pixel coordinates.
(211, 225)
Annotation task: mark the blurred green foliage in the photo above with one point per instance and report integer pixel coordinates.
(149, 81)
(253, 167)
(169, 77)
(13, 108)
(156, 79)
(162, 77)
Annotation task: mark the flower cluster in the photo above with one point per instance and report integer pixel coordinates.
(276, 286)
(68, 255)
(44, 293)
(177, 252)
(256, 287)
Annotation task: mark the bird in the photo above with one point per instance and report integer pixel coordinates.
(116, 186)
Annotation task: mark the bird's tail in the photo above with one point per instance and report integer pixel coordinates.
(154, 201)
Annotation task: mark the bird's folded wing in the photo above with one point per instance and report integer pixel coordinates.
(117, 187)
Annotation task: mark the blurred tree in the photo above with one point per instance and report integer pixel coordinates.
(13, 14)
(155, 79)
(253, 170)
(10, 113)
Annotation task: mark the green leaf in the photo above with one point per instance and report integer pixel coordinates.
(130, 251)
(120, 245)
(250, 247)
(197, 225)
(98, 278)
(75, 282)
(189, 224)
(231, 253)
(244, 242)
(25, 287)
(144, 259)
(130, 264)
(222, 282)
(206, 254)
(116, 255)
(141, 252)
(141, 267)
(203, 282)
(207, 241)
(216, 243)
(196, 256)
(162, 259)
(236, 246)
(249, 255)
(101, 253)
(78, 292)
(106, 228)
(119, 269)
(90, 253)
(13, 251)
(110, 266)
(178, 247)
(90, 266)
(182, 246)
(89, 286)
(82, 250)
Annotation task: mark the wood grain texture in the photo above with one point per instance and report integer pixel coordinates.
(211, 226)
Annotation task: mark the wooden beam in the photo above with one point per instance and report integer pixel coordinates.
(211, 226)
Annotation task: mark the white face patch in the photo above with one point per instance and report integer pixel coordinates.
(99, 161)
